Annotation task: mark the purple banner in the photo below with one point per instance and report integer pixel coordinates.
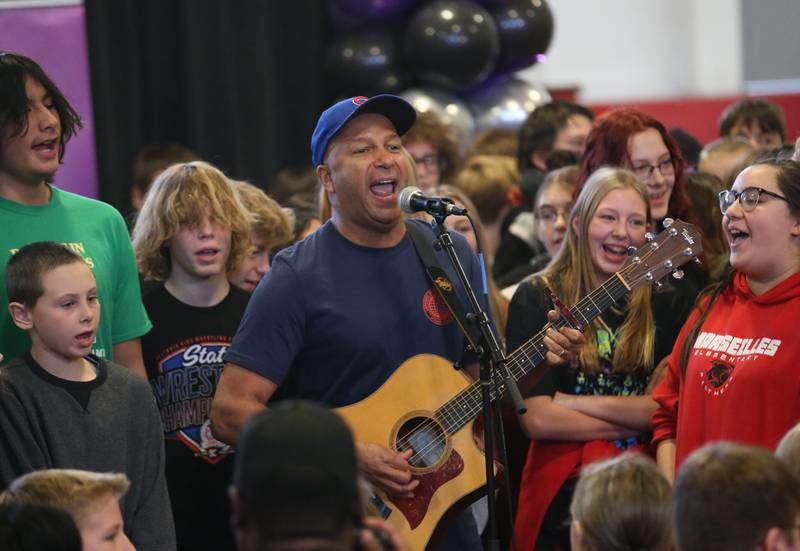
(54, 34)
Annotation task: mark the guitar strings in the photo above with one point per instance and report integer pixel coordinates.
(443, 413)
(458, 418)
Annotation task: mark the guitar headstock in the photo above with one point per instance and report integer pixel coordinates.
(663, 254)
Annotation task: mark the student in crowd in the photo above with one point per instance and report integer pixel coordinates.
(731, 497)
(495, 141)
(63, 407)
(149, 162)
(91, 498)
(434, 148)
(703, 189)
(551, 210)
(270, 227)
(756, 120)
(599, 404)
(634, 140)
(293, 180)
(488, 180)
(622, 504)
(192, 231)
(548, 139)
(554, 126)
(732, 372)
(788, 450)
(726, 158)
(307, 495)
(27, 527)
(497, 302)
(36, 122)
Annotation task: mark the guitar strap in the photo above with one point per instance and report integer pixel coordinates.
(441, 281)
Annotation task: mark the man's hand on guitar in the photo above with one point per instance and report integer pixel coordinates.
(387, 469)
(563, 345)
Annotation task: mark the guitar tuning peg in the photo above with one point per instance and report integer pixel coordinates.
(649, 276)
(697, 261)
(659, 284)
(631, 250)
(649, 236)
(677, 274)
(667, 222)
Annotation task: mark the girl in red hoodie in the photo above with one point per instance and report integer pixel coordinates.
(733, 371)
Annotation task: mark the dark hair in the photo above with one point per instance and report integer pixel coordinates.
(560, 159)
(607, 144)
(538, 132)
(430, 128)
(689, 145)
(782, 153)
(14, 68)
(788, 179)
(294, 180)
(296, 472)
(703, 189)
(156, 157)
(728, 495)
(30, 527)
(28, 266)
(768, 116)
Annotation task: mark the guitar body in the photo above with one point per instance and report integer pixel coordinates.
(451, 468)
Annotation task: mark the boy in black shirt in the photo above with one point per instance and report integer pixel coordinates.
(191, 231)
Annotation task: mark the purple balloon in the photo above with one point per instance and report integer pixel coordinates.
(371, 9)
(365, 63)
(452, 44)
(525, 28)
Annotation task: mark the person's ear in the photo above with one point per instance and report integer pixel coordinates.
(538, 160)
(779, 539)
(20, 315)
(324, 176)
(576, 223)
(576, 536)
(796, 228)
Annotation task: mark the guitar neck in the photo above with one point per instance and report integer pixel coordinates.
(466, 405)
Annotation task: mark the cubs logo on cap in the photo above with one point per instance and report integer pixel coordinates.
(396, 109)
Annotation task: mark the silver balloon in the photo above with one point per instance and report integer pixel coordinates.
(506, 103)
(450, 108)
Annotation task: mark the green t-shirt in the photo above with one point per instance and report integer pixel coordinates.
(95, 231)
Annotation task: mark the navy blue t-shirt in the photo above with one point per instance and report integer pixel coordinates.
(333, 320)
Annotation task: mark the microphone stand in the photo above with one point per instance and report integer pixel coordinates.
(492, 361)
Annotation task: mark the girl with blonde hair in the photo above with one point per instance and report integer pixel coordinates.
(598, 404)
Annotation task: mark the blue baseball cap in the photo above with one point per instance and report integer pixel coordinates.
(394, 108)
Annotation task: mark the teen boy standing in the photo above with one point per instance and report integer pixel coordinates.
(36, 122)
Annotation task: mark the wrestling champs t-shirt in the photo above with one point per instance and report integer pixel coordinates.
(183, 356)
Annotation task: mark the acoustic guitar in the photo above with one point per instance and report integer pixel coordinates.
(428, 406)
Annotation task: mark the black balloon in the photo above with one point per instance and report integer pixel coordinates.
(452, 44)
(525, 28)
(365, 63)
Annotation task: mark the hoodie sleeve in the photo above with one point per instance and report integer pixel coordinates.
(665, 419)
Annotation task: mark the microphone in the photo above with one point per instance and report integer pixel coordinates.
(412, 200)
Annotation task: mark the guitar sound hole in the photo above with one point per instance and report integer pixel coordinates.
(426, 437)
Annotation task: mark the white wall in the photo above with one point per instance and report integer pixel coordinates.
(616, 50)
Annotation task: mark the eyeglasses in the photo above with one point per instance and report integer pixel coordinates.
(549, 215)
(748, 198)
(430, 161)
(645, 172)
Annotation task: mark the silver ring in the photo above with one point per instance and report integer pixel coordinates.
(563, 352)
